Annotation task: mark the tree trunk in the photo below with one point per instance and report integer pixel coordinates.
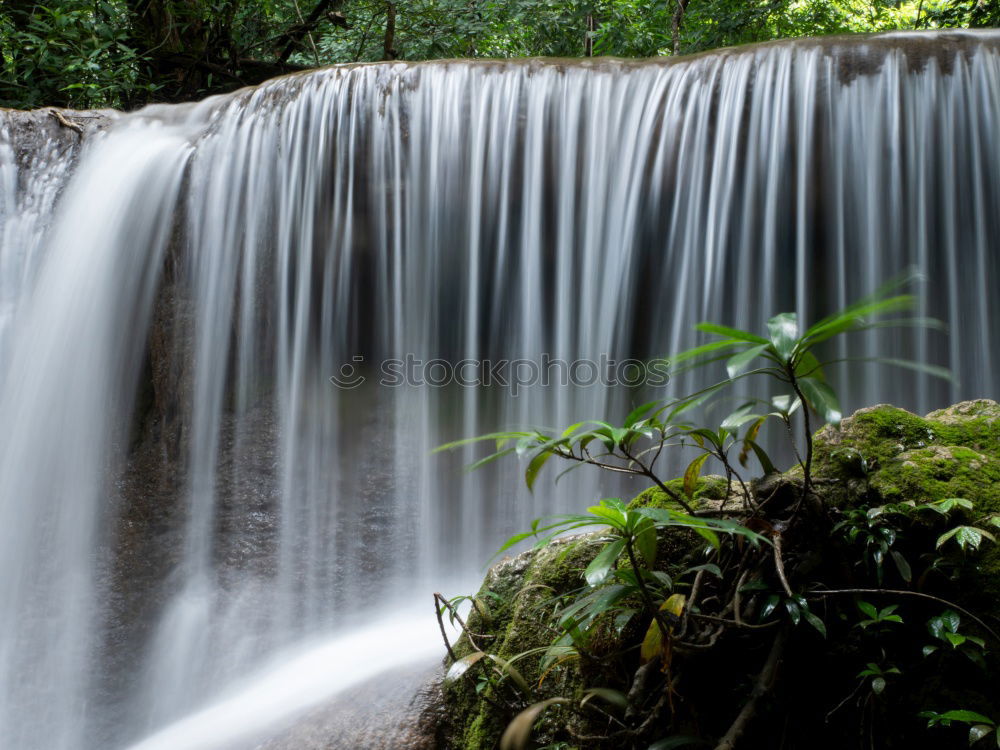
(388, 45)
(675, 26)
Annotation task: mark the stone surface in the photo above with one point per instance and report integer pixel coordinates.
(394, 711)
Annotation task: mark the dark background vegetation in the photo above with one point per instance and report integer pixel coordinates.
(127, 53)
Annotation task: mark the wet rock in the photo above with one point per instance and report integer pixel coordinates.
(396, 711)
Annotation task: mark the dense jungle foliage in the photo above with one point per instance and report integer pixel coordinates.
(127, 53)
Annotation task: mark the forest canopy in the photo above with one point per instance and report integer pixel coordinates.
(127, 53)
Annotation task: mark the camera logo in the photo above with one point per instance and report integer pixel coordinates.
(349, 378)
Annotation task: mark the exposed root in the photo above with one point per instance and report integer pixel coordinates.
(765, 681)
(65, 121)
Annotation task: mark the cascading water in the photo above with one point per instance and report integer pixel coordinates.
(184, 493)
(28, 193)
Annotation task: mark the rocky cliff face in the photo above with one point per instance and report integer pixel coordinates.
(43, 135)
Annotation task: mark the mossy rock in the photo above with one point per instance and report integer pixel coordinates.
(515, 593)
(883, 454)
(898, 456)
(711, 487)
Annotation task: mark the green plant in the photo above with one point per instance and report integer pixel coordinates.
(736, 580)
(878, 676)
(980, 727)
(878, 617)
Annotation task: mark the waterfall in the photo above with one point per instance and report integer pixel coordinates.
(200, 468)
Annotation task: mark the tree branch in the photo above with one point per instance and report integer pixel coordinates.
(296, 33)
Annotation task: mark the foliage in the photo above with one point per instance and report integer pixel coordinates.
(980, 727)
(73, 53)
(124, 53)
(771, 559)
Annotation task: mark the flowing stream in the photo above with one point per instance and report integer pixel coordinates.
(200, 469)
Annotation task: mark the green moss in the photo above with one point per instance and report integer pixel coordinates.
(873, 438)
(516, 593)
(952, 452)
(940, 471)
(482, 733)
(885, 454)
(710, 487)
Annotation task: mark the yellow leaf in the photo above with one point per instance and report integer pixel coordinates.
(691, 475)
(674, 605)
(652, 644)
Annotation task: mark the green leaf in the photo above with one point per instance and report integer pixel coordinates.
(586, 608)
(852, 317)
(663, 579)
(933, 370)
(868, 609)
(815, 621)
(951, 620)
(733, 333)
(740, 417)
(955, 639)
(902, 566)
(708, 535)
(509, 670)
(645, 540)
(535, 466)
(770, 604)
(784, 331)
(968, 717)
(518, 732)
(749, 438)
(808, 366)
(701, 434)
(794, 612)
(691, 474)
(765, 460)
(822, 399)
(489, 459)
(698, 351)
(783, 404)
(638, 413)
(948, 504)
(491, 436)
(598, 570)
(966, 536)
(935, 626)
(738, 362)
(462, 666)
(572, 428)
(612, 515)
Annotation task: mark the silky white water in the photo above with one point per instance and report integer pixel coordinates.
(299, 680)
(185, 493)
